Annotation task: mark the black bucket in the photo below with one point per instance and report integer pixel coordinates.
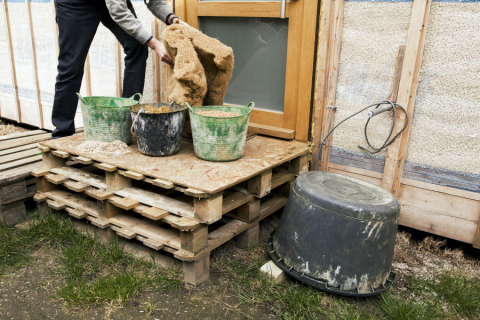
(158, 127)
(337, 233)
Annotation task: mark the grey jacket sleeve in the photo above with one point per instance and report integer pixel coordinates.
(122, 15)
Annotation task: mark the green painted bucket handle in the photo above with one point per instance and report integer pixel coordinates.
(248, 106)
(81, 98)
(132, 97)
(138, 113)
(139, 97)
(252, 104)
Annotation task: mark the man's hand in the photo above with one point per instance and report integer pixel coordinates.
(176, 20)
(160, 50)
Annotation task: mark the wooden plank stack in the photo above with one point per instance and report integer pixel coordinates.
(176, 220)
(18, 156)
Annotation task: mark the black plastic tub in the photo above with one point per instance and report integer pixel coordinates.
(158, 127)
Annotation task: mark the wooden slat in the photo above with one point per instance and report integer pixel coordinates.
(34, 66)
(124, 203)
(445, 226)
(132, 175)
(18, 149)
(162, 183)
(56, 205)
(56, 178)
(61, 154)
(84, 160)
(105, 166)
(154, 213)
(396, 152)
(75, 201)
(21, 134)
(158, 201)
(20, 172)
(124, 232)
(442, 189)
(441, 204)
(20, 162)
(234, 201)
(43, 148)
(271, 131)
(280, 178)
(79, 214)
(12, 62)
(81, 176)
(99, 194)
(335, 43)
(180, 223)
(19, 155)
(148, 230)
(75, 186)
(99, 222)
(39, 197)
(24, 141)
(242, 9)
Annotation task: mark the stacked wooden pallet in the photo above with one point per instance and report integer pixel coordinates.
(18, 156)
(149, 200)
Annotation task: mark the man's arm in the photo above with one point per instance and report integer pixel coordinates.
(127, 21)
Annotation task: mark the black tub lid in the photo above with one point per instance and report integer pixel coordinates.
(348, 196)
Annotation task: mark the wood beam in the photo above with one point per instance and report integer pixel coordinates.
(326, 13)
(397, 151)
(335, 43)
(34, 65)
(12, 62)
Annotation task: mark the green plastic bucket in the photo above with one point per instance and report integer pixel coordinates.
(107, 118)
(220, 138)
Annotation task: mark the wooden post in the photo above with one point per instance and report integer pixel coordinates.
(335, 43)
(261, 185)
(34, 66)
(397, 151)
(398, 73)
(88, 81)
(210, 209)
(322, 80)
(194, 241)
(12, 62)
(249, 238)
(156, 64)
(307, 61)
(196, 272)
(118, 69)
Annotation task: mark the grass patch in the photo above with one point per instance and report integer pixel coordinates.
(459, 294)
(93, 273)
(15, 249)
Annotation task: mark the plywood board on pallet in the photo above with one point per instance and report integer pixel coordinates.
(185, 169)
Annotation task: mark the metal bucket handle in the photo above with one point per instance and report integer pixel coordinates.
(138, 113)
(189, 107)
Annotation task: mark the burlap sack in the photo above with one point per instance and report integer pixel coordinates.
(202, 66)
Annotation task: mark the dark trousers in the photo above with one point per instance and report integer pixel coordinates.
(78, 21)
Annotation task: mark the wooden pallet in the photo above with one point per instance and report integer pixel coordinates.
(18, 156)
(176, 219)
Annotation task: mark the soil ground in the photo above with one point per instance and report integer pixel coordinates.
(31, 292)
